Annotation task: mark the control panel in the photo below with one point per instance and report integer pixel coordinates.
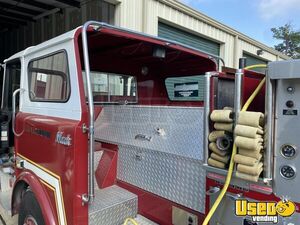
(285, 77)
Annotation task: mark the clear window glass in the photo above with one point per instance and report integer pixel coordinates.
(113, 88)
(188, 88)
(48, 78)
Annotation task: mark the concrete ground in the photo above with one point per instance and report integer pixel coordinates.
(5, 218)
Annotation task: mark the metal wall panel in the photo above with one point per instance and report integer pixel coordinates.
(51, 26)
(252, 60)
(187, 38)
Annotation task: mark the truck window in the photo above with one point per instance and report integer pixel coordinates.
(113, 88)
(188, 88)
(49, 78)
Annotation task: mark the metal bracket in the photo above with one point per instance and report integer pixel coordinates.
(85, 129)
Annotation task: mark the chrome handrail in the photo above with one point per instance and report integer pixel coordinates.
(89, 197)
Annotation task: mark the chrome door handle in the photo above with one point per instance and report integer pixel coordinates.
(143, 137)
(212, 190)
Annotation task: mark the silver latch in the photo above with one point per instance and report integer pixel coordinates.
(160, 131)
(143, 137)
(212, 191)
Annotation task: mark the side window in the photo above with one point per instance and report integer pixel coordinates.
(48, 78)
(113, 88)
(11, 82)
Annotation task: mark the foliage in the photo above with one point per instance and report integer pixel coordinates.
(290, 44)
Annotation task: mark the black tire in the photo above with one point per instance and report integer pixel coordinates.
(30, 208)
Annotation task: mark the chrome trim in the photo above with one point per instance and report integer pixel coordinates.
(238, 93)
(268, 160)
(208, 76)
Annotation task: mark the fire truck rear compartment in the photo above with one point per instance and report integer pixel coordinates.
(158, 140)
(167, 166)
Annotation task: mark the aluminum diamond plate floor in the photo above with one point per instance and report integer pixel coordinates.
(112, 206)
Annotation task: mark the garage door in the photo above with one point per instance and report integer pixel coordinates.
(252, 60)
(172, 33)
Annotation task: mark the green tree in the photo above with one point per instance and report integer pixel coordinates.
(290, 38)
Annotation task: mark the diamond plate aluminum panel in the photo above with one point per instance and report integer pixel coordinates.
(177, 178)
(112, 206)
(183, 127)
(143, 221)
(97, 158)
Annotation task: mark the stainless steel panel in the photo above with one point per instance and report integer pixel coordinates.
(177, 178)
(284, 69)
(183, 128)
(287, 132)
(112, 206)
(143, 221)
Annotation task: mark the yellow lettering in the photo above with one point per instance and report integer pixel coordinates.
(271, 209)
(241, 207)
(261, 209)
(252, 209)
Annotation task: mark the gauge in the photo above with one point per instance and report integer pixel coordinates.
(288, 151)
(287, 172)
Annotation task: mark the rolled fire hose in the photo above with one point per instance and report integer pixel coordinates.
(234, 149)
(224, 143)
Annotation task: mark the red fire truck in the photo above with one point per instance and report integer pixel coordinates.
(109, 126)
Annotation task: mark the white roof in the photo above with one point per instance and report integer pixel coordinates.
(59, 39)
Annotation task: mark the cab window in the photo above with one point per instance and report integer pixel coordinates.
(49, 78)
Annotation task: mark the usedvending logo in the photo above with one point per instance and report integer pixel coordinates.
(64, 140)
(264, 211)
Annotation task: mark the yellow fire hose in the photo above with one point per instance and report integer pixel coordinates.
(234, 149)
(132, 221)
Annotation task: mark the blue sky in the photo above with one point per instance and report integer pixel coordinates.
(254, 18)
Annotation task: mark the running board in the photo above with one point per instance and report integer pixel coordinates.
(112, 206)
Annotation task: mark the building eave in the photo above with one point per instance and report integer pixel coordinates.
(212, 22)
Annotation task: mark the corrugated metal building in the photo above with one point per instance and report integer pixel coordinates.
(173, 19)
(166, 18)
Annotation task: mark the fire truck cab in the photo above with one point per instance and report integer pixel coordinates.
(109, 126)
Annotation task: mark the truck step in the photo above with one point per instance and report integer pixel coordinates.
(112, 206)
(143, 221)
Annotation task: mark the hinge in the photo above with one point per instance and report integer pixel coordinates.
(85, 129)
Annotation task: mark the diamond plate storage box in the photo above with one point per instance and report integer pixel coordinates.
(179, 179)
(112, 206)
(160, 149)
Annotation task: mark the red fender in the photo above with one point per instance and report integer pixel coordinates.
(25, 179)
